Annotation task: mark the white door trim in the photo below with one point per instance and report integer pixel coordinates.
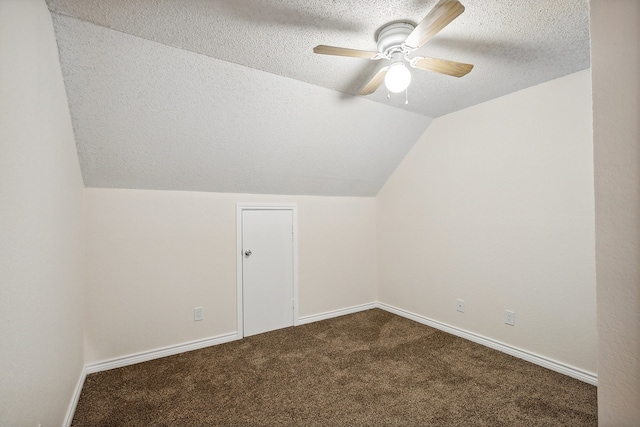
(239, 256)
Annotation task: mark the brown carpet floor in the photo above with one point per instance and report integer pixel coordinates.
(366, 369)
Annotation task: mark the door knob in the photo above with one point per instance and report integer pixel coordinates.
(247, 253)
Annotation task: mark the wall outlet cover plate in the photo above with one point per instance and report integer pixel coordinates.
(509, 317)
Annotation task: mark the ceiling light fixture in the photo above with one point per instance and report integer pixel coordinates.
(398, 77)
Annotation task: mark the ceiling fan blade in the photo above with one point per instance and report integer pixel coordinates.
(439, 17)
(375, 82)
(342, 51)
(442, 66)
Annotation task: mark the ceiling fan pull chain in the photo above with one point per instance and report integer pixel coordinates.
(388, 94)
(406, 96)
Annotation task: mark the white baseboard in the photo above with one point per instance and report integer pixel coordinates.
(158, 353)
(336, 313)
(545, 362)
(74, 400)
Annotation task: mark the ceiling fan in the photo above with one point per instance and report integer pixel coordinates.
(397, 40)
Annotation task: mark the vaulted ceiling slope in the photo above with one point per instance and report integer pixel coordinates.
(213, 95)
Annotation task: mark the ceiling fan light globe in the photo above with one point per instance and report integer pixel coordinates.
(398, 78)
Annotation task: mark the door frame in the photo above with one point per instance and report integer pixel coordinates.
(240, 207)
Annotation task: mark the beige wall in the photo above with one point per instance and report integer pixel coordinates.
(494, 205)
(152, 256)
(615, 48)
(41, 190)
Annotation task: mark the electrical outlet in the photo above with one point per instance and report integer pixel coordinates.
(197, 314)
(509, 317)
(460, 305)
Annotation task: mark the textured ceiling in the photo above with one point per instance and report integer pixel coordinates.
(216, 95)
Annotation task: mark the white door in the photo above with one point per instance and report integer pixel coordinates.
(267, 270)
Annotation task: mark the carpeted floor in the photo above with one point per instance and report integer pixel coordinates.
(366, 369)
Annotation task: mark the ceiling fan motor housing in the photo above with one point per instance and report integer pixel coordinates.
(392, 36)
